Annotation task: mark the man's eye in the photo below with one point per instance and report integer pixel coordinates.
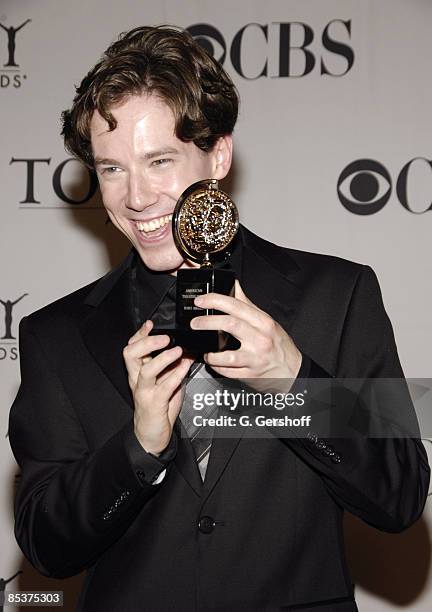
(162, 162)
(109, 170)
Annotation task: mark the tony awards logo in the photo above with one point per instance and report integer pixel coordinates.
(8, 342)
(8, 306)
(205, 223)
(10, 75)
(11, 33)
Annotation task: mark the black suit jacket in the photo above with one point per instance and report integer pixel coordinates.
(274, 541)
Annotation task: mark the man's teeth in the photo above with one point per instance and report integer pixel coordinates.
(154, 224)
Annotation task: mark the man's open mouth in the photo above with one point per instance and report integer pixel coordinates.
(148, 227)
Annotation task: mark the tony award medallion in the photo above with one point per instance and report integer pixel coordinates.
(205, 223)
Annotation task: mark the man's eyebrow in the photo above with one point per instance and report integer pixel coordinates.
(160, 153)
(105, 161)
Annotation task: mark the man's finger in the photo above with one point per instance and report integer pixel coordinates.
(144, 346)
(163, 392)
(150, 371)
(162, 378)
(176, 375)
(174, 381)
(144, 330)
(246, 311)
(236, 373)
(230, 324)
(239, 294)
(229, 359)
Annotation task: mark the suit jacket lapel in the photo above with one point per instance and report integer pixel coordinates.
(106, 331)
(109, 324)
(272, 283)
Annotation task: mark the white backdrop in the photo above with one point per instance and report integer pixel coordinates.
(361, 92)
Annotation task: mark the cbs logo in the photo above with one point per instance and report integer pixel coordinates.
(281, 49)
(364, 187)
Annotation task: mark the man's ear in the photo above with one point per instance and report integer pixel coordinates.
(222, 155)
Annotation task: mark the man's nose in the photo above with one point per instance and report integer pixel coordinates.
(141, 193)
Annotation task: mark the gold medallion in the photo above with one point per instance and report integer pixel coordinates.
(205, 222)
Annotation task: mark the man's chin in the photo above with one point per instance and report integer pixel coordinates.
(162, 264)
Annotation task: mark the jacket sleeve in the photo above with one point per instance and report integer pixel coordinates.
(71, 504)
(382, 478)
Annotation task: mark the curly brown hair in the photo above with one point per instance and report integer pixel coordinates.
(163, 61)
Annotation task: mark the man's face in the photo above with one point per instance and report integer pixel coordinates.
(143, 168)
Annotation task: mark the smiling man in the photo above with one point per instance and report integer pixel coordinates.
(111, 482)
(143, 168)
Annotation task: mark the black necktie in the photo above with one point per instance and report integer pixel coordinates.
(200, 382)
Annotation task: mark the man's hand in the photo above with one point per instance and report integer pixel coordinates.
(266, 350)
(155, 383)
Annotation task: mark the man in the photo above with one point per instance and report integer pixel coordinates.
(110, 483)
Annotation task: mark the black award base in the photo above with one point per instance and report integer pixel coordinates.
(191, 284)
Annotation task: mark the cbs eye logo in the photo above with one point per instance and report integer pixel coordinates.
(364, 187)
(206, 36)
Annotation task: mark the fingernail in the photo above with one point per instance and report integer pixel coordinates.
(198, 300)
